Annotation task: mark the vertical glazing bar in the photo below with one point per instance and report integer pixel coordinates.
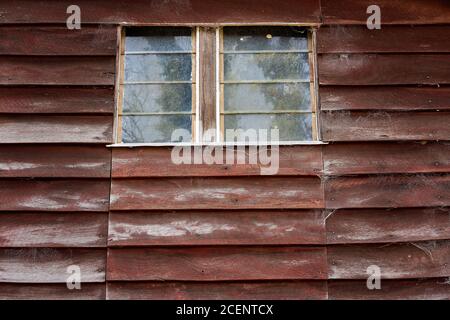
(197, 86)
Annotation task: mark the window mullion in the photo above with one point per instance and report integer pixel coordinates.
(207, 79)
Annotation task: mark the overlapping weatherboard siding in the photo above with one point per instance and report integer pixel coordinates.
(56, 116)
(386, 114)
(378, 193)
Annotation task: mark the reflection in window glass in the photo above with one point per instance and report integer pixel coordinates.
(142, 129)
(292, 127)
(157, 84)
(157, 98)
(266, 81)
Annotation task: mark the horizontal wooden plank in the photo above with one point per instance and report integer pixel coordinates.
(273, 290)
(54, 195)
(424, 289)
(392, 12)
(157, 162)
(383, 69)
(217, 263)
(56, 100)
(396, 261)
(392, 225)
(385, 126)
(217, 193)
(58, 40)
(384, 98)
(165, 12)
(56, 129)
(44, 265)
(216, 228)
(360, 39)
(382, 157)
(17, 70)
(388, 191)
(19, 291)
(60, 161)
(53, 229)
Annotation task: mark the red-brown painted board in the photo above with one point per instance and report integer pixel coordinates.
(53, 229)
(58, 40)
(392, 11)
(360, 39)
(165, 12)
(423, 289)
(217, 193)
(54, 195)
(56, 100)
(273, 290)
(387, 191)
(55, 129)
(45, 265)
(217, 263)
(26, 70)
(385, 126)
(158, 162)
(396, 261)
(384, 98)
(382, 157)
(216, 228)
(59, 161)
(388, 226)
(51, 291)
(383, 69)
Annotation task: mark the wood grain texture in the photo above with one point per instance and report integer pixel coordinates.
(382, 157)
(216, 193)
(384, 98)
(393, 11)
(387, 191)
(360, 39)
(55, 129)
(157, 162)
(54, 195)
(397, 261)
(16, 291)
(59, 161)
(385, 126)
(58, 40)
(388, 226)
(216, 263)
(53, 230)
(44, 265)
(57, 100)
(166, 12)
(273, 290)
(217, 228)
(27, 70)
(424, 289)
(383, 69)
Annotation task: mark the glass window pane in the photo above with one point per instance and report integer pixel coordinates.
(267, 97)
(157, 97)
(265, 38)
(292, 127)
(266, 66)
(147, 129)
(158, 67)
(158, 39)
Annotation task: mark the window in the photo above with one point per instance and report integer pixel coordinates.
(200, 79)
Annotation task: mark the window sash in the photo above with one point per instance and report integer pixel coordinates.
(212, 111)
